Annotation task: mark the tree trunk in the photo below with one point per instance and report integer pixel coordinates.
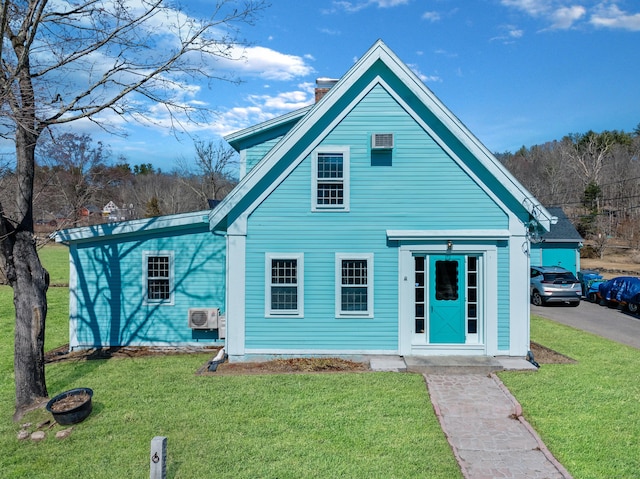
(29, 281)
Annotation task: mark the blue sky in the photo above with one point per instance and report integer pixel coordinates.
(516, 72)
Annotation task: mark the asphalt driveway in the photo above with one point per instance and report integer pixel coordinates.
(607, 322)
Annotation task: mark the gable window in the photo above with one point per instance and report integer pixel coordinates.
(354, 285)
(331, 179)
(284, 294)
(158, 277)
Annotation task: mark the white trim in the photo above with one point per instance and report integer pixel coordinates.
(133, 226)
(519, 297)
(312, 352)
(73, 297)
(243, 163)
(236, 292)
(459, 235)
(145, 276)
(488, 312)
(277, 313)
(380, 52)
(339, 257)
(339, 150)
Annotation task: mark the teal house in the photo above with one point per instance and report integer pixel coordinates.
(560, 246)
(372, 222)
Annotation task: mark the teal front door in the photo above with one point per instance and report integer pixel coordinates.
(447, 299)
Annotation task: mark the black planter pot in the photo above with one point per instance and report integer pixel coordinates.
(76, 414)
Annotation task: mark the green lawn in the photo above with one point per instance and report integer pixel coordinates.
(316, 425)
(286, 426)
(588, 413)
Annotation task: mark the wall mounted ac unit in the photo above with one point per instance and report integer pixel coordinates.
(382, 141)
(203, 318)
(222, 326)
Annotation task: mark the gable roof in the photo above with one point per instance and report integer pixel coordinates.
(369, 71)
(181, 220)
(562, 231)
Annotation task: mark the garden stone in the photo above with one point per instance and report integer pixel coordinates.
(64, 433)
(37, 436)
(23, 434)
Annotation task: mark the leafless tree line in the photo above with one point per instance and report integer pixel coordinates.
(594, 177)
(75, 178)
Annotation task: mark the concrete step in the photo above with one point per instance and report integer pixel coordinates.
(462, 364)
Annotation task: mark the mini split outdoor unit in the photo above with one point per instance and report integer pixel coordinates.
(382, 141)
(203, 318)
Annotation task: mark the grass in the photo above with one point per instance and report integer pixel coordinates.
(55, 257)
(587, 413)
(284, 426)
(315, 425)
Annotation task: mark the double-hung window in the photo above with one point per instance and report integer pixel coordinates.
(158, 277)
(284, 293)
(354, 285)
(331, 179)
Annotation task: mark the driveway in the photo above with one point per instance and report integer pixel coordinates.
(607, 322)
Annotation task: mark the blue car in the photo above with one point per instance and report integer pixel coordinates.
(623, 291)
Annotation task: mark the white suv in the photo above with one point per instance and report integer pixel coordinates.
(553, 284)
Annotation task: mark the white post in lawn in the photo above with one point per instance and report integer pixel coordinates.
(158, 458)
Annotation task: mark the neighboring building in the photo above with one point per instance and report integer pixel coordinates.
(372, 222)
(560, 246)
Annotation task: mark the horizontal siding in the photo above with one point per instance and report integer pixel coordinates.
(110, 288)
(423, 189)
(256, 153)
(504, 288)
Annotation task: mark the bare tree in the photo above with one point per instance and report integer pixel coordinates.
(213, 176)
(66, 61)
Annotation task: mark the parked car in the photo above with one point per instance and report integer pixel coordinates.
(590, 281)
(623, 291)
(553, 284)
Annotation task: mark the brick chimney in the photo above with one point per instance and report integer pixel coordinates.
(323, 85)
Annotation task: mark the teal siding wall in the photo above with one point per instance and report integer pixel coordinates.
(421, 189)
(504, 288)
(255, 153)
(555, 254)
(110, 287)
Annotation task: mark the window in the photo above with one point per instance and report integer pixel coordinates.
(354, 285)
(158, 277)
(331, 179)
(284, 294)
(446, 285)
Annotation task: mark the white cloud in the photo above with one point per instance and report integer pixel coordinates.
(610, 16)
(558, 13)
(564, 17)
(431, 16)
(511, 33)
(267, 63)
(425, 78)
(353, 7)
(262, 108)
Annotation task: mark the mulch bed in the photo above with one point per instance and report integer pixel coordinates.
(70, 402)
(541, 354)
(544, 355)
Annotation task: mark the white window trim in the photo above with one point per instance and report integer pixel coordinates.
(344, 150)
(145, 272)
(338, 284)
(279, 313)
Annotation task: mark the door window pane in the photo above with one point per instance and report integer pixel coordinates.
(446, 280)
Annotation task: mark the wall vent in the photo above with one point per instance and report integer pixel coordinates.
(222, 326)
(382, 141)
(203, 318)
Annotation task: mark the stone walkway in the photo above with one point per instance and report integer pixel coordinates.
(483, 423)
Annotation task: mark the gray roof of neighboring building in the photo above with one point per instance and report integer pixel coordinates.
(563, 230)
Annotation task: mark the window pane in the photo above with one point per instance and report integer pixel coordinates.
(284, 297)
(284, 272)
(330, 194)
(330, 165)
(354, 271)
(158, 281)
(447, 280)
(354, 299)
